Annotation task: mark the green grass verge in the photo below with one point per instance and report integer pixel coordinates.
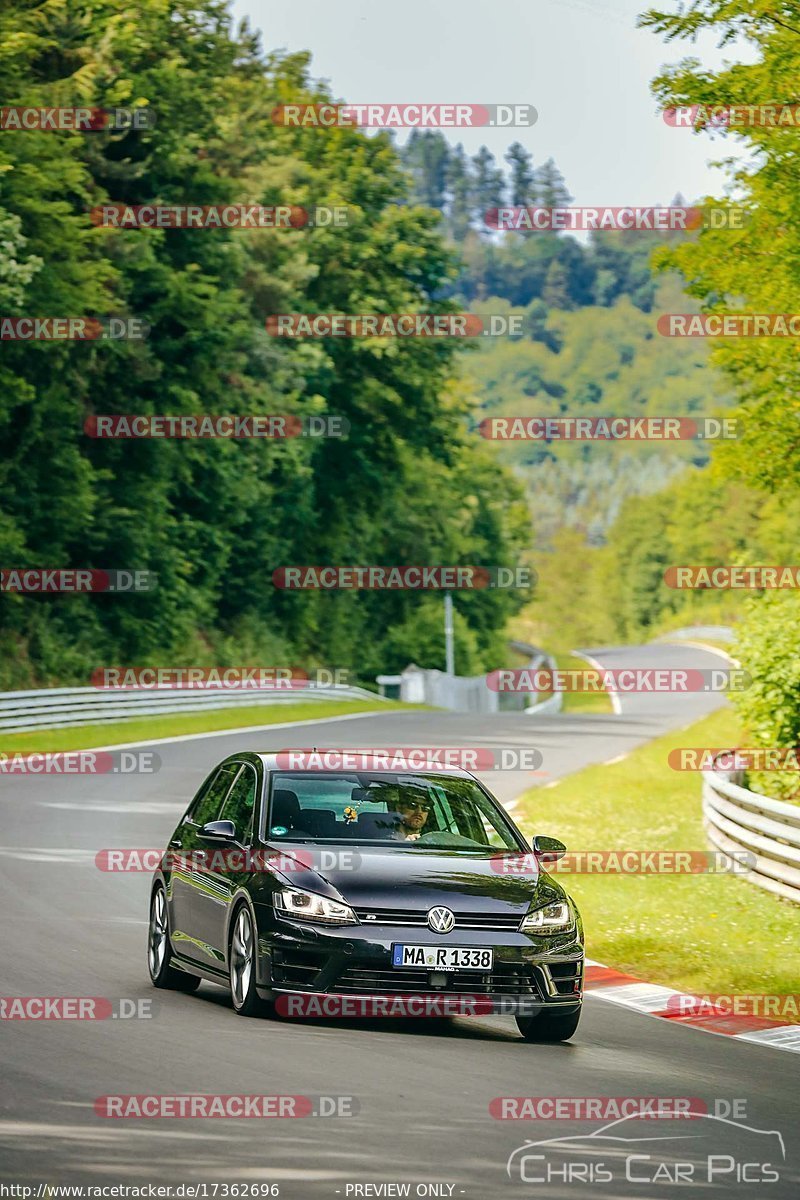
(176, 724)
(697, 933)
(582, 701)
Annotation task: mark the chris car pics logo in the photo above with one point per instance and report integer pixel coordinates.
(716, 1151)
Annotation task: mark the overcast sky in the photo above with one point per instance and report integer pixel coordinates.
(581, 63)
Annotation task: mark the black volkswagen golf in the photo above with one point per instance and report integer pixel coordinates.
(283, 882)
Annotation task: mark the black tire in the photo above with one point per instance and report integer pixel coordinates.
(242, 953)
(547, 1026)
(159, 949)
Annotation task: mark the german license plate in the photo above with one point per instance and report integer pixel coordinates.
(443, 958)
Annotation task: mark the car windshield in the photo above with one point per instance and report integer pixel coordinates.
(420, 811)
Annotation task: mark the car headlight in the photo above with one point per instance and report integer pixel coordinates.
(307, 906)
(553, 918)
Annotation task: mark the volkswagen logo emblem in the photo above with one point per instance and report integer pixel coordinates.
(441, 920)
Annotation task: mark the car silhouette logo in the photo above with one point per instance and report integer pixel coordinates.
(441, 920)
(613, 1135)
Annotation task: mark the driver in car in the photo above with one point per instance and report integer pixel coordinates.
(412, 808)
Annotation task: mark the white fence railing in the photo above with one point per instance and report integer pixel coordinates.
(55, 708)
(737, 819)
(459, 693)
(471, 693)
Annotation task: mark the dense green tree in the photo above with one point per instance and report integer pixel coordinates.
(768, 641)
(214, 518)
(753, 268)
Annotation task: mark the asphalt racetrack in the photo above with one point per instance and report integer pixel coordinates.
(421, 1089)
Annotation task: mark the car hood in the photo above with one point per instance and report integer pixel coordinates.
(373, 877)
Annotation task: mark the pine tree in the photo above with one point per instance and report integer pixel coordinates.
(522, 175)
(488, 186)
(556, 291)
(459, 187)
(551, 190)
(426, 156)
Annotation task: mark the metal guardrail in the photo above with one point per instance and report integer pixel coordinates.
(56, 708)
(737, 820)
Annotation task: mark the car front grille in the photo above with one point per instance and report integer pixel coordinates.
(505, 979)
(501, 922)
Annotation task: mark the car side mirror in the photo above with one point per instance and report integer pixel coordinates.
(218, 831)
(548, 849)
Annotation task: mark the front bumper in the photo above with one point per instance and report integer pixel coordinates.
(530, 972)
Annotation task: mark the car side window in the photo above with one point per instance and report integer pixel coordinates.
(208, 800)
(240, 802)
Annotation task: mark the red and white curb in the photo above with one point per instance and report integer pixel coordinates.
(606, 983)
